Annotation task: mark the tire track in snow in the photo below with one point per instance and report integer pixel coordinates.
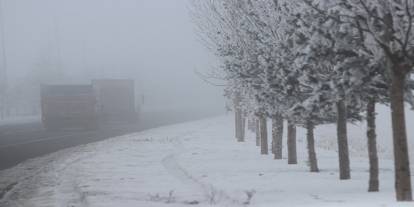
(49, 175)
(317, 197)
(67, 191)
(211, 194)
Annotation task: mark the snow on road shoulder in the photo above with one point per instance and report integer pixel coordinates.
(197, 163)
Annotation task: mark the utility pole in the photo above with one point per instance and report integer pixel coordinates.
(84, 61)
(56, 31)
(57, 39)
(3, 69)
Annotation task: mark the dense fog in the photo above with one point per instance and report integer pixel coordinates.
(206, 103)
(73, 42)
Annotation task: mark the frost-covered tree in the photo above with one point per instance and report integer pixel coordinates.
(318, 38)
(313, 62)
(387, 30)
(389, 24)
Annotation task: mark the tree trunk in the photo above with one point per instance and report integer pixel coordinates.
(401, 158)
(277, 131)
(258, 140)
(236, 123)
(313, 162)
(243, 129)
(251, 124)
(263, 136)
(291, 142)
(344, 168)
(372, 147)
(239, 124)
(273, 135)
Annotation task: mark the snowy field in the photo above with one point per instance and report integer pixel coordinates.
(197, 164)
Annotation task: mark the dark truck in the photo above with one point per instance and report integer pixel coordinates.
(68, 107)
(116, 100)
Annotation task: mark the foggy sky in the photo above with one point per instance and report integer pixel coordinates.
(151, 41)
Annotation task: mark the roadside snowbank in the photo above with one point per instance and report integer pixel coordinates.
(197, 163)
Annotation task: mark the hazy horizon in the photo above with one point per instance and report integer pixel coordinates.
(71, 42)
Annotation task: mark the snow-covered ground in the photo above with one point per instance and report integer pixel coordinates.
(197, 163)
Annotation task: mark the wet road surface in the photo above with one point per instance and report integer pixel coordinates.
(19, 142)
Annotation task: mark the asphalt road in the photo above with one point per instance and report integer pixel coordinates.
(19, 142)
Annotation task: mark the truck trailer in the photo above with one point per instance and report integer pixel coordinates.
(68, 107)
(116, 100)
